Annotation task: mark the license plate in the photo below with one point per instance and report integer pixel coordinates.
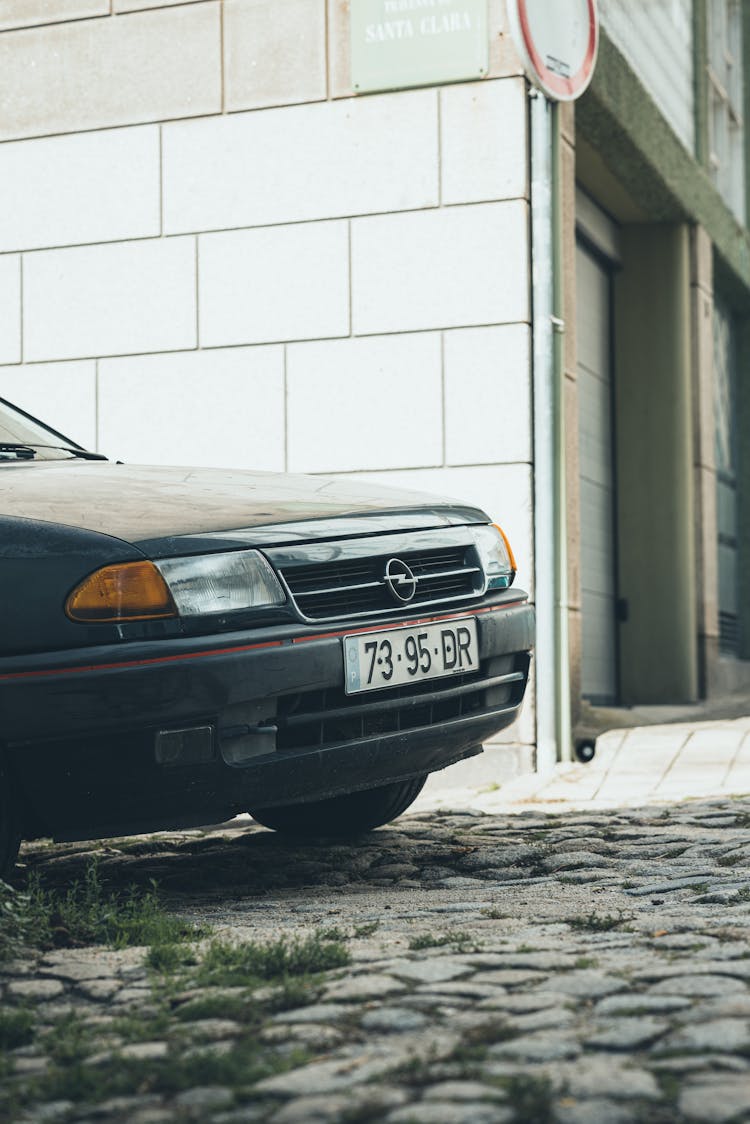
(375, 660)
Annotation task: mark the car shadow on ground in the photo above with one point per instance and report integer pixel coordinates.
(249, 860)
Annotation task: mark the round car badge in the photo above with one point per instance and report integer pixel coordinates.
(557, 43)
(400, 580)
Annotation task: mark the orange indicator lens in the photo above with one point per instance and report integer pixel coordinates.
(131, 591)
(511, 556)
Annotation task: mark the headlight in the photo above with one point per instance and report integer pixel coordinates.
(221, 583)
(188, 587)
(496, 556)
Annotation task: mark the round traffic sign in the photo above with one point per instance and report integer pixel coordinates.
(557, 42)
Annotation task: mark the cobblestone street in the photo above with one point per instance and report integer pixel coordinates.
(589, 967)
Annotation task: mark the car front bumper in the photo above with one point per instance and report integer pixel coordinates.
(139, 736)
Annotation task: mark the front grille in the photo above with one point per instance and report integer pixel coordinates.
(325, 717)
(340, 585)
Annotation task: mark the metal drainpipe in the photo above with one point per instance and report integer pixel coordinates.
(562, 650)
(550, 571)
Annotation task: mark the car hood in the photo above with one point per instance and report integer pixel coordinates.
(168, 510)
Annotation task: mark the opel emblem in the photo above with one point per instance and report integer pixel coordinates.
(400, 580)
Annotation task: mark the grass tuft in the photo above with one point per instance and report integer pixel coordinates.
(86, 914)
(16, 1028)
(367, 929)
(227, 964)
(461, 941)
(734, 858)
(531, 1098)
(598, 922)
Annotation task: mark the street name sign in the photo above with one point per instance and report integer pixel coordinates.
(557, 41)
(401, 43)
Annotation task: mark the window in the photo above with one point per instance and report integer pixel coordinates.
(725, 97)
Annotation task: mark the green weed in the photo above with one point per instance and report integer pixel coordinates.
(332, 934)
(169, 958)
(16, 1028)
(69, 1040)
(732, 859)
(88, 914)
(598, 922)
(367, 929)
(531, 1098)
(227, 964)
(241, 1067)
(440, 940)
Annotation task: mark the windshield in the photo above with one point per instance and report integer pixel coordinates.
(16, 428)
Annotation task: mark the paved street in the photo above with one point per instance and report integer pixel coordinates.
(566, 962)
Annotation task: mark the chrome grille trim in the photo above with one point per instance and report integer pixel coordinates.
(381, 584)
(345, 579)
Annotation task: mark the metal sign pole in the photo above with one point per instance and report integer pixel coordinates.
(544, 429)
(550, 532)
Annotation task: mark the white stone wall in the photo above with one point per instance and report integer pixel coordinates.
(656, 38)
(211, 253)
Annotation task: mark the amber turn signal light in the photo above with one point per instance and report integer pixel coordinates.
(130, 591)
(508, 547)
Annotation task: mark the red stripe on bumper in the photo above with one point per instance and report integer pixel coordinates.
(251, 647)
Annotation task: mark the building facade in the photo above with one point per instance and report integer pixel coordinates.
(212, 251)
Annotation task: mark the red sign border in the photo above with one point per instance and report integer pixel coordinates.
(564, 88)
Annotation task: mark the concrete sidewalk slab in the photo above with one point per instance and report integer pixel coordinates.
(642, 765)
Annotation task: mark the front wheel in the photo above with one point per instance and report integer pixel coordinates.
(339, 816)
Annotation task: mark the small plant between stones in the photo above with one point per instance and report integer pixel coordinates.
(461, 941)
(85, 914)
(599, 922)
(188, 983)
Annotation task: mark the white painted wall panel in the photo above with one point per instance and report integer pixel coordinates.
(365, 403)
(483, 141)
(222, 408)
(141, 5)
(488, 395)
(61, 394)
(279, 283)
(274, 59)
(28, 13)
(440, 269)
(91, 187)
(10, 309)
(119, 299)
(91, 74)
(656, 38)
(304, 162)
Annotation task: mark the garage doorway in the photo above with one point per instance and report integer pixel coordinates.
(725, 412)
(597, 258)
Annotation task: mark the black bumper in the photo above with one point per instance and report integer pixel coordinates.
(82, 729)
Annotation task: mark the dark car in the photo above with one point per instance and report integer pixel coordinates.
(179, 645)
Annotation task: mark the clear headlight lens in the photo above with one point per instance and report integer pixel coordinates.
(221, 583)
(496, 556)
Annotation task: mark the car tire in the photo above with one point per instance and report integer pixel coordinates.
(10, 836)
(341, 816)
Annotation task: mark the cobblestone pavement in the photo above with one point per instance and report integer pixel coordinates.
(583, 968)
